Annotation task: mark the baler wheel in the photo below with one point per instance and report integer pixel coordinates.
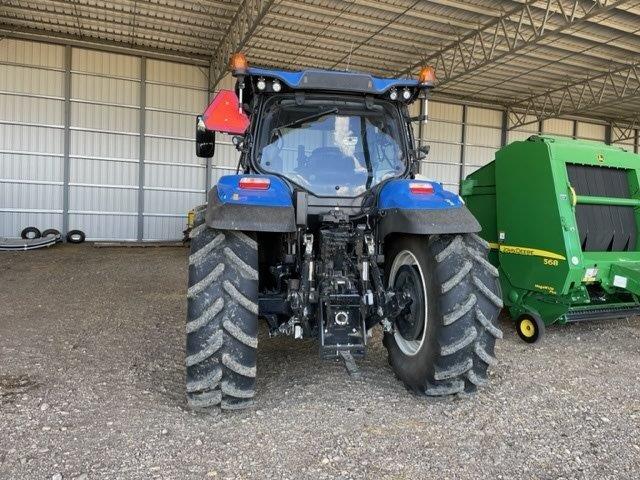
(530, 327)
(222, 319)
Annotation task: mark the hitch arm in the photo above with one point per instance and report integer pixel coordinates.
(389, 304)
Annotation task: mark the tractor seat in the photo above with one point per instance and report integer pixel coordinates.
(330, 159)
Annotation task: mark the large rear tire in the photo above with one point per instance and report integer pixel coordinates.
(222, 319)
(445, 343)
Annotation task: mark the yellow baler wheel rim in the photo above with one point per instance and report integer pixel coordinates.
(527, 328)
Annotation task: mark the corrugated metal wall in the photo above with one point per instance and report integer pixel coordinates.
(174, 178)
(104, 144)
(483, 134)
(464, 138)
(132, 172)
(31, 136)
(443, 133)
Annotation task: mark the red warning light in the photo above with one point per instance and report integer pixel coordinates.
(421, 188)
(254, 183)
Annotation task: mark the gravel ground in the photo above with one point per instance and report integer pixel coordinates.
(91, 386)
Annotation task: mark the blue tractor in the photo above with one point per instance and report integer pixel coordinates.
(326, 231)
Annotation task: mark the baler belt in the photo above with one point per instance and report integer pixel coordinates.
(603, 228)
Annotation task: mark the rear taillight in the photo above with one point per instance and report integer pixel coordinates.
(421, 188)
(254, 183)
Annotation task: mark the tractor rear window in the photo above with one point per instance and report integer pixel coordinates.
(332, 148)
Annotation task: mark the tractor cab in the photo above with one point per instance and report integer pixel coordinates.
(330, 134)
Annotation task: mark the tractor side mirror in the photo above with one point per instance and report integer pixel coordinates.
(205, 139)
(422, 151)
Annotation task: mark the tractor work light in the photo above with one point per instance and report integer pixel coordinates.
(261, 84)
(238, 63)
(276, 85)
(427, 76)
(393, 94)
(421, 188)
(406, 94)
(254, 183)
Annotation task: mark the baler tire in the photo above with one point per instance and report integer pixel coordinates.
(463, 302)
(530, 327)
(222, 319)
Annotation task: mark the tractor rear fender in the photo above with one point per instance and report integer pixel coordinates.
(231, 207)
(422, 207)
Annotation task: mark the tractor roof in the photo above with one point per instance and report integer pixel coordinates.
(333, 80)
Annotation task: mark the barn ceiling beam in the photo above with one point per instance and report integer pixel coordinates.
(247, 18)
(519, 28)
(599, 90)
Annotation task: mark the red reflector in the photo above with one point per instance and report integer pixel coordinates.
(254, 183)
(222, 114)
(421, 188)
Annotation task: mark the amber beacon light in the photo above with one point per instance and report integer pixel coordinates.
(239, 66)
(427, 76)
(238, 63)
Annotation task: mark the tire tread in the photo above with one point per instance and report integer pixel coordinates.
(221, 323)
(468, 300)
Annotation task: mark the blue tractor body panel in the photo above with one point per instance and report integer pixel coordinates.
(396, 194)
(334, 80)
(440, 212)
(272, 210)
(233, 208)
(277, 195)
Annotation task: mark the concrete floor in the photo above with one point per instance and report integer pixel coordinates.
(91, 386)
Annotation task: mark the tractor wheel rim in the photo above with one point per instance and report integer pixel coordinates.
(527, 328)
(410, 322)
(405, 257)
